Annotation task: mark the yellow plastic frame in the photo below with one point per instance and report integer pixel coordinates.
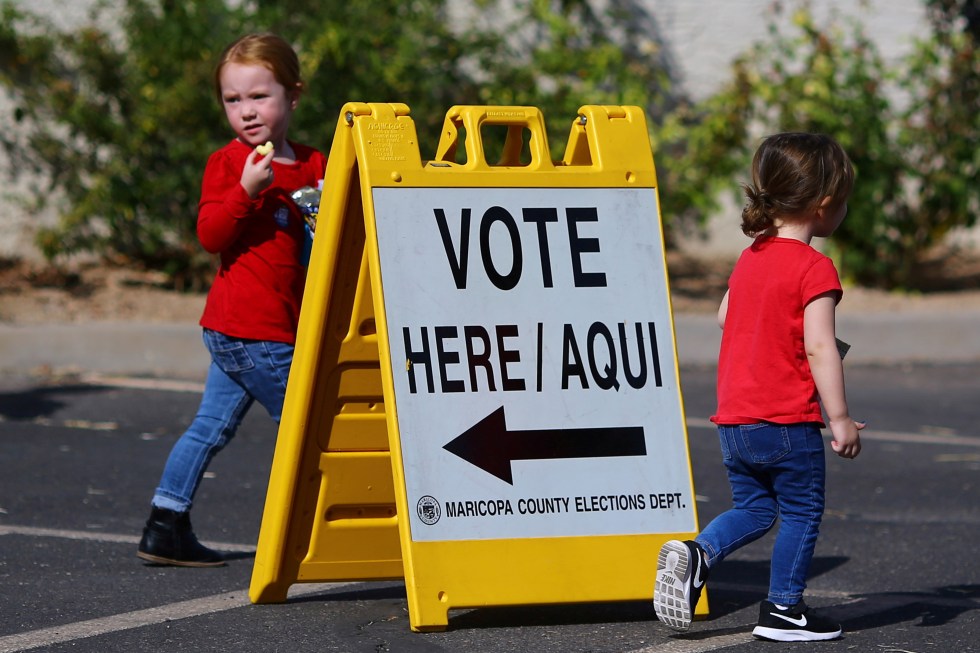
(337, 485)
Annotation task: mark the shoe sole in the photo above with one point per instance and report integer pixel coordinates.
(782, 635)
(672, 587)
(177, 563)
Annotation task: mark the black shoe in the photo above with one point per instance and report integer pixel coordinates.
(794, 624)
(681, 573)
(169, 540)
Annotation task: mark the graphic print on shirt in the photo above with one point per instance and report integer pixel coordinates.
(282, 217)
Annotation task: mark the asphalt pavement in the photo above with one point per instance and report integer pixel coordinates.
(88, 412)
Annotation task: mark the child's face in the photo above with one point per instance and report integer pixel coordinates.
(258, 107)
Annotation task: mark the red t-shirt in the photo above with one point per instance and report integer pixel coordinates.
(763, 372)
(258, 288)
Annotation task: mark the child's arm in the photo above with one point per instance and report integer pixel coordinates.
(819, 339)
(723, 311)
(228, 198)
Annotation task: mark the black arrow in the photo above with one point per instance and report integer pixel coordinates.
(491, 447)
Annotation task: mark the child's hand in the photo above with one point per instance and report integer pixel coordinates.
(257, 174)
(847, 441)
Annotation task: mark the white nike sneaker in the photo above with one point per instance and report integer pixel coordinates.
(794, 624)
(681, 574)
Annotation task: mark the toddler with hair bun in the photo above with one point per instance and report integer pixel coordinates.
(778, 366)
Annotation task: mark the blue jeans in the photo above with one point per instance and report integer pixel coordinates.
(241, 372)
(775, 470)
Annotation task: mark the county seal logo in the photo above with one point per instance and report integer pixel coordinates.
(428, 510)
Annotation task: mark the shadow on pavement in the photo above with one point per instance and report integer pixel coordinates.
(919, 609)
(38, 402)
(745, 582)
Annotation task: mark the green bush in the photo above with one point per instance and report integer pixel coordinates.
(123, 123)
(122, 120)
(911, 130)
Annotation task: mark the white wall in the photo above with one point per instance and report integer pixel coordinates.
(706, 35)
(17, 224)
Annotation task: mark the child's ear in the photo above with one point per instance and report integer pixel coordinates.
(294, 95)
(823, 206)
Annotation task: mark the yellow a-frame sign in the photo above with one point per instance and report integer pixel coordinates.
(484, 397)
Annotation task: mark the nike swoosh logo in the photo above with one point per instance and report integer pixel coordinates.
(796, 622)
(697, 582)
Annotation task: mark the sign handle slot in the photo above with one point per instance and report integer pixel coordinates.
(518, 121)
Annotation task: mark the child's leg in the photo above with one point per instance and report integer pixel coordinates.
(223, 406)
(168, 537)
(681, 566)
(754, 508)
(799, 481)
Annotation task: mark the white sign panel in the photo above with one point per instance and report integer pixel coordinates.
(533, 362)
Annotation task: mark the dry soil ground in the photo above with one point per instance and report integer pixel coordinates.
(44, 294)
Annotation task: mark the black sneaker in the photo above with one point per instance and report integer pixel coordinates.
(681, 573)
(795, 624)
